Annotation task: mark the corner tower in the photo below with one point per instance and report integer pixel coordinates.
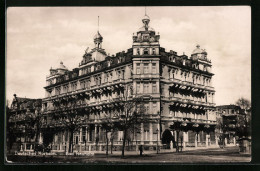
(145, 41)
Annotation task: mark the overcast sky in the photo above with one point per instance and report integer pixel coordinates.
(39, 38)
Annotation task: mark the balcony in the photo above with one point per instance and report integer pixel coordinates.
(176, 81)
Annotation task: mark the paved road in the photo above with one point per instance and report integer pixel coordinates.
(213, 155)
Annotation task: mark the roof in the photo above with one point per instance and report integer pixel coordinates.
(197, 50)
(26, 102)
(98, 35)
(228, 106)
(61, 66)
(143, 29)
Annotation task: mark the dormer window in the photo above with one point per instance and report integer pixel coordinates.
(146, 51)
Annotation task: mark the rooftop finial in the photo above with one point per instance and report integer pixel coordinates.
(98, 23)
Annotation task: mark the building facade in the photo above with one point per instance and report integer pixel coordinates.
(230, 117)
(22, 124)
(177, 89)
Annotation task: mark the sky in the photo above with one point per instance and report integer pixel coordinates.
(38, 38)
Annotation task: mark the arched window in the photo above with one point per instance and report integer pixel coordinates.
(145, 51)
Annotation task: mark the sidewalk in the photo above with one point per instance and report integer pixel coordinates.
(153, 152)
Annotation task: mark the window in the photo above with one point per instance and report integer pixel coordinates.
(162, 90)
(123, 74)
(153, 51)
(138, 88)
(154, 107)
(118, 74)
(82, 84)
(146, 68)
(87, 83)
(154, 87)
(66, 89)
(145, 51)
(154, 68)
(98, 80)
(73, 86)
(146, 87)
(138, 71)
(138, 51)
(105, 77)
(146, 106)
(57, 91)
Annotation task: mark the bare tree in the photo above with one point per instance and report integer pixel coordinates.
(131, 112)
(109, 127)
(244, 122)
(243, 103)
(37, 121)
(220, 129)
(69, 115)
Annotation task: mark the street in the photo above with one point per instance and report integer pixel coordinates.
(213, 155)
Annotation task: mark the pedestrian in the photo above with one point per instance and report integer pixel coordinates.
(141, 150)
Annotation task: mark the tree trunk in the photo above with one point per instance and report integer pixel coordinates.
(107, 144)
(71, 142)
(123, 147)
(112, 145)
(36, 138)
(177, 144)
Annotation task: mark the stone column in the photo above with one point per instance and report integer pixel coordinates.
(86, 135)
(216, 139)
(151, 132)
(118, 135)
(40, 139)
(142, 133)
(158, 133)
(95, 134)
(150, 67)
(225, 141)
(80, 136)
(234, 139)
(175, 135)
(207, 141)
(184, 139)
(63, 138)
(171, 143)
(99, 132)
(196, 141)
(88, 132)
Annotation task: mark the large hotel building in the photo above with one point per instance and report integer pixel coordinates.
(176, 89)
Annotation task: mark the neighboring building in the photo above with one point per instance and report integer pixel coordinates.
(22, 124)
(176, 88)
(229, 115)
